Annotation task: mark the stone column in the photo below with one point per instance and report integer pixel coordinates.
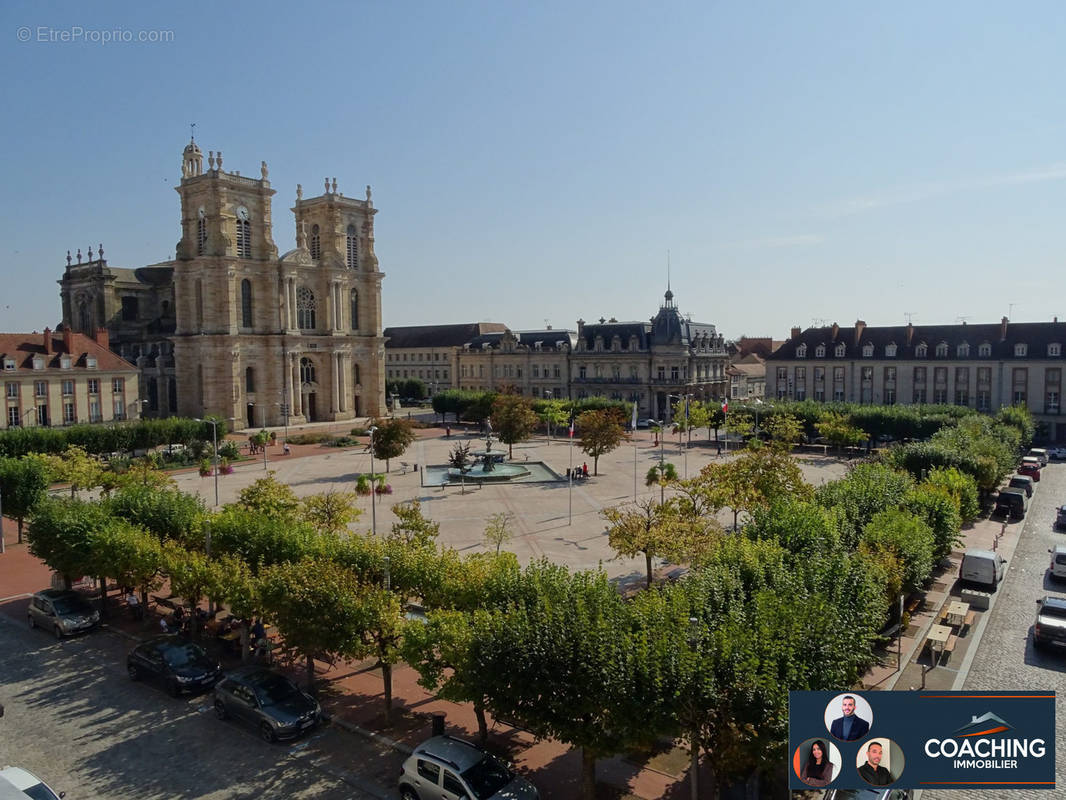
(342, 380)
(329, 308)
(297, 397)
(338, 321)
(288, 383)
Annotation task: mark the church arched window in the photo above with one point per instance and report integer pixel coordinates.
(316, 243)
(244, 239)
(354, 302)
(249, 380)
(307, 370)
(305, 309)
(85, 315)
(246, 303)
(353, 249)
(201, 233)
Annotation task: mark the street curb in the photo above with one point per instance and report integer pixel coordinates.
(351, 727)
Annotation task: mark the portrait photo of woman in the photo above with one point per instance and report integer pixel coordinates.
(819, 767)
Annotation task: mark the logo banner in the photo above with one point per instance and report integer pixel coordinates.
(922, 740)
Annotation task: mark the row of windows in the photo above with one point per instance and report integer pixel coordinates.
(306, 307)
(92, 385)
(40, 415)
(426, 374)
(40, 362)
(351, 249)
(962, 350)
(420, 357)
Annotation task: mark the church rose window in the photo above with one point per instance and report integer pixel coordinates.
(305, 309)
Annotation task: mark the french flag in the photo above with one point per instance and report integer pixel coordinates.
(571, 426)
(725, 407)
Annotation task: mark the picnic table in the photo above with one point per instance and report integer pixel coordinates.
(957, 611)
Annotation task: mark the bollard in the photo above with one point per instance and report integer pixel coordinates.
(438, 723)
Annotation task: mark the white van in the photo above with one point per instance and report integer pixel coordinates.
(1058, 561)
(983, 567)
(17, 783)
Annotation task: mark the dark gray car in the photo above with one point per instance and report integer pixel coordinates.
(177, 663)
(270, 702)
(62, 612)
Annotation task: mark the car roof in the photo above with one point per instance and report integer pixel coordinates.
(462, 755)
(974, 552)
(1055, 602)
(19, 778)
(1022, 478)
(55, 594)
(254, 675)
(1060, 548)
(1012, 491)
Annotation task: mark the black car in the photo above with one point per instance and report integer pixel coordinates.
(180, 665)
(267, 700)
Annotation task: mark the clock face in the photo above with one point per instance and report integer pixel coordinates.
(242, 214)
(201, 212)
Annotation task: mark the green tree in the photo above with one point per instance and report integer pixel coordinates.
(839, 432)
(391, 439)
(784, 428)
(76, 467)
(270, 497)
(513, 420)
(1020, 418)
(193, 576)
(658, 530)
(662, 475)
(130, 555)
(331, 511)
(960, 486)
(459, 457)
(413, 527)
(167, 513)
(498, 529)
(908, 538)
(866, 490)
(599, 432)
(61, 534)
(939, 509)
(261, 540)
(23, 484)
(552, 413)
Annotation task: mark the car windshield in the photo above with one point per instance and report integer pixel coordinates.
(275, 689)
(487, 777)
(1053, 611)
(182, 655)
(72, 605)
(40, 792)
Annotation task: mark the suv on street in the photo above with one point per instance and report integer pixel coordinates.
(1023, 482)
(1060, 517)
(175, 662)
(1050, 627)
(62, 611)
(453, 769)
(267, 700)
(18, 782)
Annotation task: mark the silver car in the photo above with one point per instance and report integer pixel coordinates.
(62, 612)
(267, 700)
(453, 769)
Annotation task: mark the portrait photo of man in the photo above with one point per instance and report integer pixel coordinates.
(849, 726)
(871, 770)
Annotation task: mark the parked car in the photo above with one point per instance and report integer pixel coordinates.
(25, 784)
(174, 661)
(63, 612)
(1040, 454)
(1058, 561)
(1057, 453)
(446, 767)
(1060, 517)
(1031, 467)
(1012, 503)
(1023, 482)
(267, 700)
(1050, 627)
(983, 568)
(868, 794)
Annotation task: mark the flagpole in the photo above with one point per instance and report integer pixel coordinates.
(570, 488)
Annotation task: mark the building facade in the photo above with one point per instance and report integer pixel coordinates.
(984, 366)
(747, 378)
(430, 353)
(534, 363)
(231, 328)
(62, 378)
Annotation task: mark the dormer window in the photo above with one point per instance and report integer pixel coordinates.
(1054, 349)
(38, 362)
(90, 362)
(839, 350)
(921, 351)
(9, 364)
(890, 350)
(801, 351)
(963, 350)
(984, 350)
(942, 350)
(867, 350)
(64, 362)
(819, 351)
(1020, 349)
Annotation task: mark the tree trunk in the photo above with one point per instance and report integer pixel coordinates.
(20, 529)
(311, 675)
(588, 774)
(510, 452)
(694, 764)
(482, 723)
(736, 513)
(194, 622)
(596, 465)
(647, 558)
(103, 597)
(246, 643)
(386, 678)
(66, 581)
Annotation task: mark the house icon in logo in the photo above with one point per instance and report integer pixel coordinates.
(983, 725)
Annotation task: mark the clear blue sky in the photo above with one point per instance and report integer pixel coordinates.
(537, 160)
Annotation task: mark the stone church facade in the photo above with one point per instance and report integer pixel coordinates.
(231, 328)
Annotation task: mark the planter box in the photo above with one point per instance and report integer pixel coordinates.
(976, 599)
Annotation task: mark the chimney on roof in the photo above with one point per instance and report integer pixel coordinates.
(48, 341)
(68, 339)
(796, 332)
(581, 327)
(860, 326)
(549, 327)
(1003, 329)
(910, 333)
(836, 330)
(100, 335)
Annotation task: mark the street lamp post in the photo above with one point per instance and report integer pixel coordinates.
(214, 449)
(373, 487)
(694, 767)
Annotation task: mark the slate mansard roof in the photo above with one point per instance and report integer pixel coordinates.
(547, 339)
(1001, 339)
(438, 335)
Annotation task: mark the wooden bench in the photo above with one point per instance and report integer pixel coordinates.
(942, 617)
(510, 723)
(913, 603)
(970, 617)
(951, 642)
